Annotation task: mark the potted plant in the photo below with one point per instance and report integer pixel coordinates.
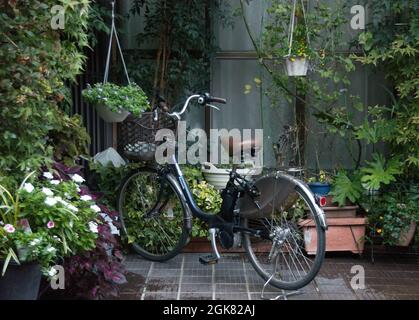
(320, 185)
(42, 222)
(114, 103)
(298, 50)
(393, 218)
(346, 230)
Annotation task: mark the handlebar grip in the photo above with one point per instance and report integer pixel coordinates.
(217, 100)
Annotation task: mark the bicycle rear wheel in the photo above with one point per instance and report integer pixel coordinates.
(152, 215)
(280, 255)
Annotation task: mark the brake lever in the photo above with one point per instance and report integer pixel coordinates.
(212, 106)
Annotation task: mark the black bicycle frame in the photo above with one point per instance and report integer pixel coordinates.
(213, 220)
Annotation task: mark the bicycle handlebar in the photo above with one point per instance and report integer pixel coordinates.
(203, 99)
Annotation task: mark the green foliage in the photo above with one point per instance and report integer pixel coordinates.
(182, 32)
(325, 29)
(346, 187)
(69, 140)
(35, 62)
(391, 214)
(46, 220)
(118, 98)
(391, 45)
(380, 171)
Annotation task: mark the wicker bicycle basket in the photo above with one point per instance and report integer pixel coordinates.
(137, 136)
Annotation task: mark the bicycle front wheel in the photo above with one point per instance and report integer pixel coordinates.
(283, 253)
(152, 215)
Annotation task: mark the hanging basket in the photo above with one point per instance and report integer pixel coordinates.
(296, 67)
(110, 116)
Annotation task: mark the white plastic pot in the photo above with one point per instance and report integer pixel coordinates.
(109, 116)
(296, 68)
(219, 177)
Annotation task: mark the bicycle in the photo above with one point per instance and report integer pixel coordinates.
(266, 216)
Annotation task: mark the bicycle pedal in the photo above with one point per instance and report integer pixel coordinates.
(208, 259)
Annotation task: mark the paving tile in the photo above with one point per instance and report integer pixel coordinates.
(231, 296)
(196, 287)
(230, 288)
(160, 296)
(389, 277)
(196, 279)
(195, 296)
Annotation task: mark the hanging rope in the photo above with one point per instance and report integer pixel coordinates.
(292, 26)
(108, 58)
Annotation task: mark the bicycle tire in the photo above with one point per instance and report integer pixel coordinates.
(321, 244)
(138, 247)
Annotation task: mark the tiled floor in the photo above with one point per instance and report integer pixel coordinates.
(183, 277)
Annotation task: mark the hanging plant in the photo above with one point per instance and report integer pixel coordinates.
(113, 102)
(298, 55)
(120, 100)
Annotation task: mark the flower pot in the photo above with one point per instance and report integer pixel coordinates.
(218, 177)
(407, 236)
(343, 234)
(20, 282)
(297, 67)
(319, 188)
(109, 116)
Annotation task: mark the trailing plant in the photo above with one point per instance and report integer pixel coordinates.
(118, 98)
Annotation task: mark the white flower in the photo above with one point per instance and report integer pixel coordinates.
(86, 198)
(28, 187)
(48, 175)
(77, 178)
(51, 249)
(95, 208)
(71, 207)
(34, 242)
(93, 227)
(55, 182)
(52, 272)
(50, 201)
(114, 230)
(47, 192)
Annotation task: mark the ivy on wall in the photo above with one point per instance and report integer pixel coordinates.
(36, 61)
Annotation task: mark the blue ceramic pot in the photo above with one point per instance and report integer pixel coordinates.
(319, 188)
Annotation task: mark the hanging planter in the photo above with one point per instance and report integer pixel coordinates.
(297, 60)
(114, 103)
(296, 67)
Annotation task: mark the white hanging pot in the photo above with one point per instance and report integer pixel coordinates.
(108, 115)
(296, 67)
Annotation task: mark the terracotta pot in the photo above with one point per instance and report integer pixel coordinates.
(407, 236)
(343, 234)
